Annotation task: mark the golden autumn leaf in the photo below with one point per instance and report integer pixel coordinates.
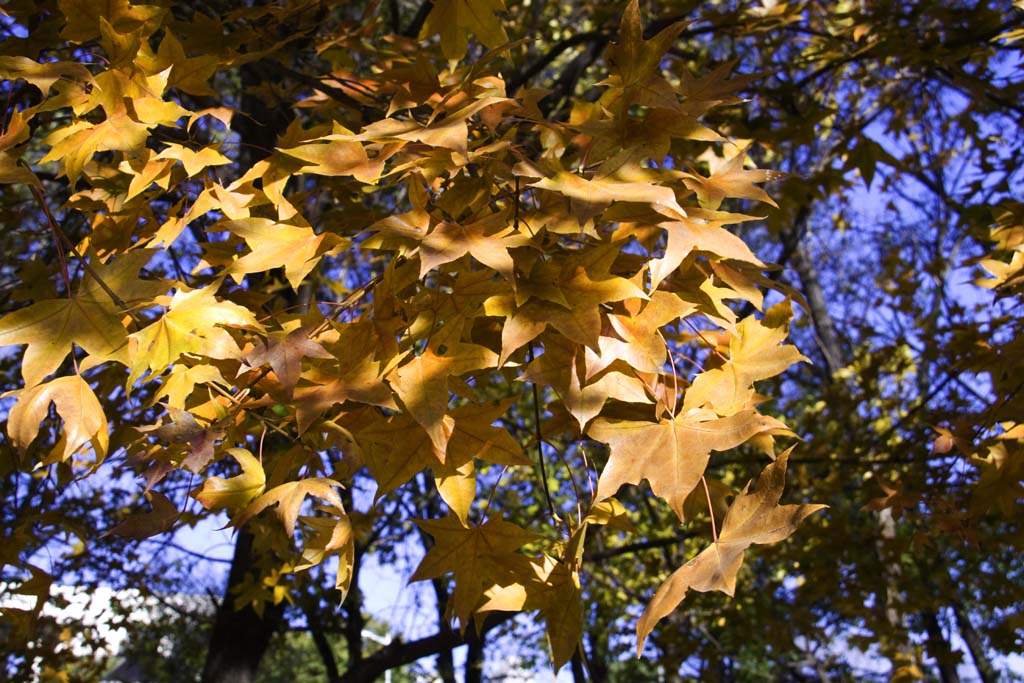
(422, 383)
(289, 497)
(356, 374)
(145, 169)
(51, 327)
(217, 493)
(189, 74)
(121, 276)
(473, 436)
(603, 192)
(453, 19)
(730, 179)
(567, 296)
(755, 517)
(672, 453)
(334, 155)
(77, 405)
(41, 75)
(154, 111)
(637, 60)
(487, 240)
(697, 234)
(330, 536)
(190, 325)
(449, 130)
(75, 145)
(756, 352)
(562, 367)
(455, 480)
(84, 17)
(295, 248)
(554, 590)
(479, 556)
(611, 513)
(194, 161)
(90, 320)
(395, 448)
(283, 351)
(181, 381)
(637, 341)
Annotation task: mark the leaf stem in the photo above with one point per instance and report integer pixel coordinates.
(586, 466)
(494, 489)
(540, 445)
(713, 347)
(675, 375)
(711, 511)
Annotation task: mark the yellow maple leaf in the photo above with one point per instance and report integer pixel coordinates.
(454, 19)
(84, 16)
(479, 556)
(554, 589)
(217, 493)
(671, 454)
(76, 403)
(422, 383)
(755, 517)
(190, 325)
(275, 245)
(51, 326)
(194, 161)
(756, 352)
(42, 76)
(289, 497)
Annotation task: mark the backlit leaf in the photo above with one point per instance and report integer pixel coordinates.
(74, 401)
(671, 454)
(755, 517)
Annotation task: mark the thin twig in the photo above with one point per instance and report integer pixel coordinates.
(67, 243)
(714, 347)
(494, 490)
(540, 445)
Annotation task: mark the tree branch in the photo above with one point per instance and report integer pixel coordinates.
(416, 25)
(640, 546)
(400, 653)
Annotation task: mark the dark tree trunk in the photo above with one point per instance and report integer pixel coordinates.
(354, 619)
(939, 647)
(240, 636)
(975, 645)
(579, 674)
(445, 660)
(475, 661)
(323, 646)
(598, 660)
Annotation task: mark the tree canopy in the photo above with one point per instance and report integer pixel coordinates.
(571, 309)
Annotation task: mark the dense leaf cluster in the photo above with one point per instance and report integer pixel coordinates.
(361, 278)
